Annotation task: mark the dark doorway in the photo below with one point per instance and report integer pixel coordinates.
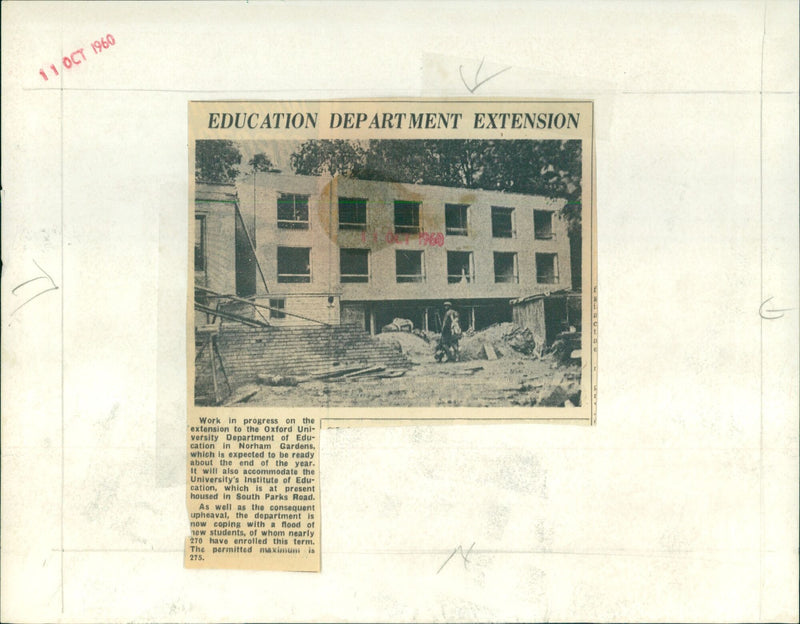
(386, 312)
(487, 314)
(555, 317)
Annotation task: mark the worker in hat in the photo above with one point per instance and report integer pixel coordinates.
(451, 334)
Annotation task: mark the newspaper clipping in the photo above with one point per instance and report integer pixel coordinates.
(252, 491)
(374, 262)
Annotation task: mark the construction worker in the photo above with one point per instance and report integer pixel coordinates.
(451, 334)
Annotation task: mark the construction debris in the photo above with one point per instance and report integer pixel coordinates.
(285, 357)
(391, 374)
(505, 340)
(560, 391)
(336, 372)
(517, 380)
(552, 396)
(521, 339)
(242, 394)
(206, 336)
(496, 341)
(464, 372)
(364, 371)
(398, 325)
(278, 380)
(371, 372)
(410, 343)
(567, 347)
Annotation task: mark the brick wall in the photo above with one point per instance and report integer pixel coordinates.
(315, 307)
(247, 352)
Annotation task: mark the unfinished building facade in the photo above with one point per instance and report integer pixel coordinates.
(347, 251)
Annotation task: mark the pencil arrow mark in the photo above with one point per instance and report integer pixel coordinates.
(770, 314)
(478, 83)
(45, 287)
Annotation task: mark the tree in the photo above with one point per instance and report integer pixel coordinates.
(328, 157)
(551, 168)
(261, 162)
(216, 161)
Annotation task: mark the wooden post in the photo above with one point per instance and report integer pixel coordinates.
(215, 344)
(213, 368)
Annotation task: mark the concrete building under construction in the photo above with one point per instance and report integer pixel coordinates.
(346, 251)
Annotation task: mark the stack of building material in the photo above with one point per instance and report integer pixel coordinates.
(303, 351)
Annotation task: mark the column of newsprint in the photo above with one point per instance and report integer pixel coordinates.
(252, 490)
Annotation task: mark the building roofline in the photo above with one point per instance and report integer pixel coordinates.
(564, 292)
(463, 189)
(210, 183)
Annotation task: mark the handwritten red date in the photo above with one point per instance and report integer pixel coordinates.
(431, 239)
(78, 56)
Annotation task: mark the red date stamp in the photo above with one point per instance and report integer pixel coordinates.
(79, 56)
(432, 239)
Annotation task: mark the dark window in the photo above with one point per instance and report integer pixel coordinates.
(409, 266)
(406, 217)
(505, 268)
(459, 267)
(354, 265)
(352, 213)
(294, 265)
(546, 268)
(543, 224)
(502, 222)
(277, 305)
(293, 211)
(199, 243)
(455, 219)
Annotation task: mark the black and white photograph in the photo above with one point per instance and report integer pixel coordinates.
(389, 273)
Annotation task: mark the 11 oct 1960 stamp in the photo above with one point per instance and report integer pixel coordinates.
(78, 56)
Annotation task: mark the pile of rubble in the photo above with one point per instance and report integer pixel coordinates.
(563, 390)
(416, 345)
(566, 348)
(398, 325)
(500, 340)
(247, 392)
(496, 341)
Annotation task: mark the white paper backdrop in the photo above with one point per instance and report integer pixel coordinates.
(680, 505)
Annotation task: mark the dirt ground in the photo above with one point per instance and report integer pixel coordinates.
(503, 382)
